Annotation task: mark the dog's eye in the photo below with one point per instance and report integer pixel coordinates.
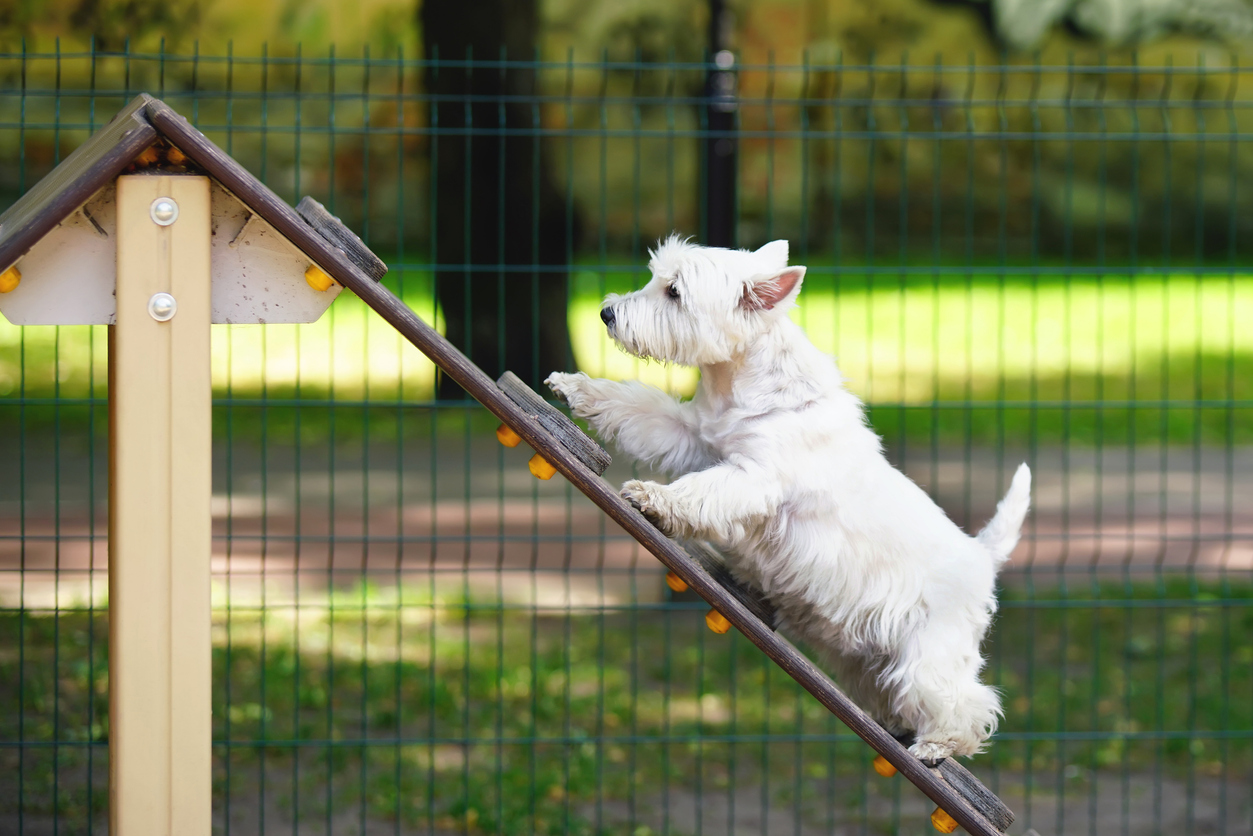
(672, 291)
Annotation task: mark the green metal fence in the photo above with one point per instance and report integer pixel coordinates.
(1018, 262)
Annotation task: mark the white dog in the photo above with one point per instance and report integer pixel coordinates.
(775, 464)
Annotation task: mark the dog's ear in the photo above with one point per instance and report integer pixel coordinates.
(775, 253)
(767, 292)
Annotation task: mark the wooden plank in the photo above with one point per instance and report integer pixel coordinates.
(975, 793)
(160, 671)
(555, 421)
(333, 229)
(79, 176)
(967, 786)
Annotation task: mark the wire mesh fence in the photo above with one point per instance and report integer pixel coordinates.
(1012, 262)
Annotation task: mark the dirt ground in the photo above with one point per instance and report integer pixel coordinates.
(472, 514)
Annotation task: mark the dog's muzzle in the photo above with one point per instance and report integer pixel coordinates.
(606, 316)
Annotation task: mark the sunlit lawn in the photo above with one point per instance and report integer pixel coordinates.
(1099, 345)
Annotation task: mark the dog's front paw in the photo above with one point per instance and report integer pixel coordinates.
(570, 388)
(931, 751)
(650, 499)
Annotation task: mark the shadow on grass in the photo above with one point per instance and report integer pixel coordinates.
(454, 715)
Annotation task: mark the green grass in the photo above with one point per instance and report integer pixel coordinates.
(1094, 359)
(611, 705)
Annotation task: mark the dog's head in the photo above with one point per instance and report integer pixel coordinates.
(703, 304)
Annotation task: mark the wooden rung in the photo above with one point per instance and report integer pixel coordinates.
(555, 421)
(982, 799)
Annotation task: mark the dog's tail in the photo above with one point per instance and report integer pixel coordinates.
(1000, 535)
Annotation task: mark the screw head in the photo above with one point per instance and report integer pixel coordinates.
(164, 211)
(162, 307)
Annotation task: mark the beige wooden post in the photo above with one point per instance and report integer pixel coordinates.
(159, 517)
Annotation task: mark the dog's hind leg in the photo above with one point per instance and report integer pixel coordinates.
(647, 424)
(860, 681)
(940, 695)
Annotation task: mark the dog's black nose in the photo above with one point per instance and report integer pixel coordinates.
(606, 315)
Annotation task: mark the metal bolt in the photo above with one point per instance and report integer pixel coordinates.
(164, 212)
(162, 306)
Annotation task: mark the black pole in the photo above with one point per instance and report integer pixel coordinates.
(720, 142)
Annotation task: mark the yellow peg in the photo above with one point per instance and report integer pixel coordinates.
(148, 156)
(717, 622)
(540, 468)
(884, 767)
(317, 279)
(507, 436)
(675, 582)
(10, 279)
(942, 821)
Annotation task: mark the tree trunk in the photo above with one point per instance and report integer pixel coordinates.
(503, 229)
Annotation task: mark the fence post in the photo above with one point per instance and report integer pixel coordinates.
(160, 470)
(720, 145)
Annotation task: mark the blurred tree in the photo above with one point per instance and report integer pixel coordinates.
(1023, 24)
(112, 23)
(503, 229)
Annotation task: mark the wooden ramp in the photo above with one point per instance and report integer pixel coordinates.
(560, 443)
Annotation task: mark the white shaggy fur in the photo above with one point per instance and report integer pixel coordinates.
(775, 463)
